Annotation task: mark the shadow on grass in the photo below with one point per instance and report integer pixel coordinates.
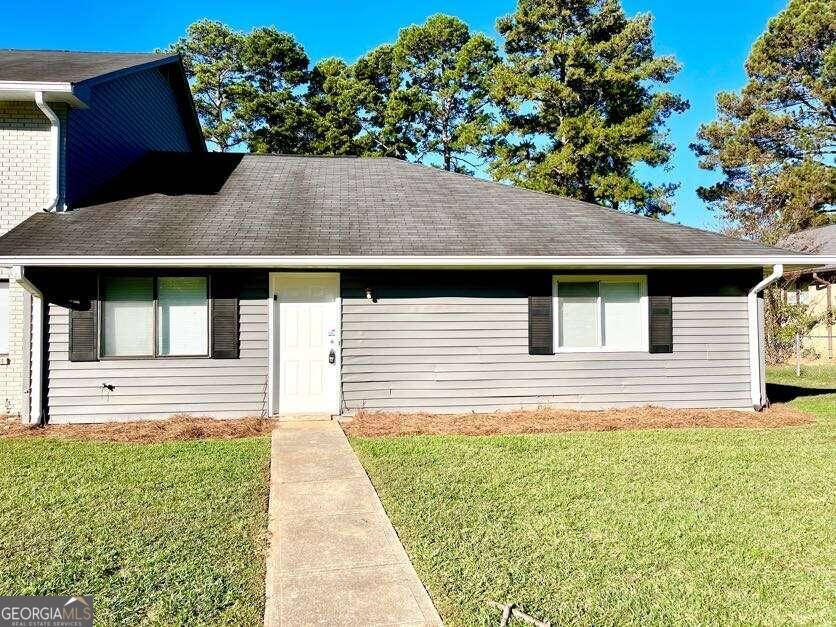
(779, 393)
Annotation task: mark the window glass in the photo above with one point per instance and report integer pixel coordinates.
(578, 314)
(4, 317)
(128, 316)
(182, 318)
(621, 303)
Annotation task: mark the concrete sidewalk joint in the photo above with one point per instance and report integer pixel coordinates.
(334, 557)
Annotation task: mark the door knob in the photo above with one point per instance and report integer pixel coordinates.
(332, 357)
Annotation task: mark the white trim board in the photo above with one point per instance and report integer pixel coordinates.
(643, 346)
(53, 92)
(402, 262)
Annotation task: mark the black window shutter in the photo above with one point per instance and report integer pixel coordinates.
(661, 324)
(540, 328)
(84, 320)
(225, 295)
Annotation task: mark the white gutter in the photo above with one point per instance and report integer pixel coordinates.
(61, 88)
(55, 135)
(36, 363)
(755, 348)
(401, 262)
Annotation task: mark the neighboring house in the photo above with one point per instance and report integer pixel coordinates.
(69, 122)
(815, 288)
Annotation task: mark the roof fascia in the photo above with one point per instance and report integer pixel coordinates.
(426, 262)
(141, 67)
(53, 92)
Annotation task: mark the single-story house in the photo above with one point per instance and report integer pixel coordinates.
(228, 285)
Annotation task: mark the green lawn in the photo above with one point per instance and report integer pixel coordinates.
(806, 391)
(711, 526)
(157, 533)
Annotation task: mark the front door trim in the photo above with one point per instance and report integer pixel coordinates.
(274, 339)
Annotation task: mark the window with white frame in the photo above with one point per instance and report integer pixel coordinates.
(166, 316)
(4, 317)
(600, 313)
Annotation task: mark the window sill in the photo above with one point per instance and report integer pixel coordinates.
(575, 351)
(150, 357)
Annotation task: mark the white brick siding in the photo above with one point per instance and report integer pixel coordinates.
(25, 161)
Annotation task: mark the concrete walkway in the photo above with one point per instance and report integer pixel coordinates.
(334, 557)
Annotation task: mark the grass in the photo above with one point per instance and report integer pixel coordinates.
(807, 392)
(158, 533)
(708, 526)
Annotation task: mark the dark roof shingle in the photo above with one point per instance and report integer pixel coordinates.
(227, 204)
(62, 66)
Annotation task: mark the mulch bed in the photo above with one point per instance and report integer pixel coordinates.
(174, 429)
(377, 424)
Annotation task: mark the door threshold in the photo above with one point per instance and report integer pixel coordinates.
(303, 417)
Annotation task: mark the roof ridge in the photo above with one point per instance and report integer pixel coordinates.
(67, 51)
(300, 156)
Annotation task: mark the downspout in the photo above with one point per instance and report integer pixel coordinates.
(36, 416)
(55, 134)
(755, 348)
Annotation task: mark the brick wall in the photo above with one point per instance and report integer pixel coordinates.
(25, 161)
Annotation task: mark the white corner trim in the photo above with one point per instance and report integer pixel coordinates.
(430, 262)
(36, 346)
(755, 348)
(272, 338)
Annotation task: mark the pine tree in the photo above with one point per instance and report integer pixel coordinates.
(211, 54)
(580, 103)
(775, 141)
(272, 107)
(425, 98)
(333, 101)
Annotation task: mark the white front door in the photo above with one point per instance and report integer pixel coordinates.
(305, 347)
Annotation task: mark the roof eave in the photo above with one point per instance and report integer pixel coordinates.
(790, 262)
(25, 91)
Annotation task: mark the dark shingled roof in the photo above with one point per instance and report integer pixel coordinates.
(819, 241)
(62, 66)
(227, 204)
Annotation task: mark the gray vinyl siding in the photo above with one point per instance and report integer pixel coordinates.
(158, 388)
(441, 348)
(127, 117)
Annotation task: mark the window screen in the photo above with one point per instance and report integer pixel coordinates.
(128, 316)
(183, 316)
(603, 313)
(578, 312)
(623, 326)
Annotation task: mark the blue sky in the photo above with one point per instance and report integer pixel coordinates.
(711, 38)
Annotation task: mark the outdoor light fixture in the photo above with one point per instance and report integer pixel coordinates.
(369, 294)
